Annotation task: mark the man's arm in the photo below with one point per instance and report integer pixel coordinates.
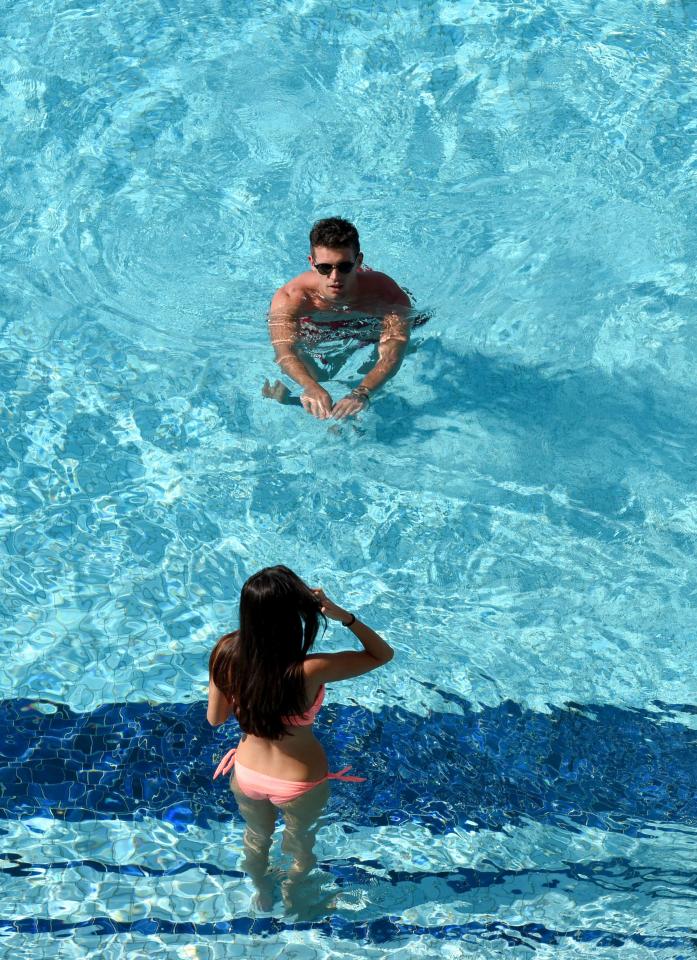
(394, 339)
(392, 346)
(285, 334)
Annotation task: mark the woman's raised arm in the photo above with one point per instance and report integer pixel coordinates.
(331, 667)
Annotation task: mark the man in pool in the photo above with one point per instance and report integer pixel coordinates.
(336, 301)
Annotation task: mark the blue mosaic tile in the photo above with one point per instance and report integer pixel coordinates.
(598, 766)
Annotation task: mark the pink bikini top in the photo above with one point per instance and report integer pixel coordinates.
(308, 718)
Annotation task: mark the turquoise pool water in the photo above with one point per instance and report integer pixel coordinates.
(516, 511)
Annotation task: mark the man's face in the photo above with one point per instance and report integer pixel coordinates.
(335, 285)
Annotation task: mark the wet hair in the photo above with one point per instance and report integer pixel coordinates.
(259, 668)
(334, 233)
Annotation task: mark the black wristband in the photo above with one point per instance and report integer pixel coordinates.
(350, 623)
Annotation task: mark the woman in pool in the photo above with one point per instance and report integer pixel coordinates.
(265, 676)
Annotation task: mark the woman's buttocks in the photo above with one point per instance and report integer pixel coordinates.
(297, 756)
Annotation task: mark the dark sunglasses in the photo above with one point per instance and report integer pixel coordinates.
(346, 266)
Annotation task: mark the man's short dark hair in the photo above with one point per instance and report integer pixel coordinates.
(334, 233)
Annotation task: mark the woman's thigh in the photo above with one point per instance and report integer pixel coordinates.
(303, 813)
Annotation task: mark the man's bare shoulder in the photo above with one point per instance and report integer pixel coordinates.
(294, 295)
(383, 289)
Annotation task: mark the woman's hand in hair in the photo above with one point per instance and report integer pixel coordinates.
(330, 609)
(330, 667)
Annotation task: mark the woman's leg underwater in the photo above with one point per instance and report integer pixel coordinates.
(260, 819)
(302, 821)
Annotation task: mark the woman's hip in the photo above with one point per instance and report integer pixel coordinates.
(262, 786)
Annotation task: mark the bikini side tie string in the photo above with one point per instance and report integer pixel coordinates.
(226, 764)
(340, 776)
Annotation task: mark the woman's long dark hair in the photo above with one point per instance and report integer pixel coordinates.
(259, 666)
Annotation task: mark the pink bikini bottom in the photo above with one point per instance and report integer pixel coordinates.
(259, 786)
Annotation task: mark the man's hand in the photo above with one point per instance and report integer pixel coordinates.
(351, 404)
(316, 400)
